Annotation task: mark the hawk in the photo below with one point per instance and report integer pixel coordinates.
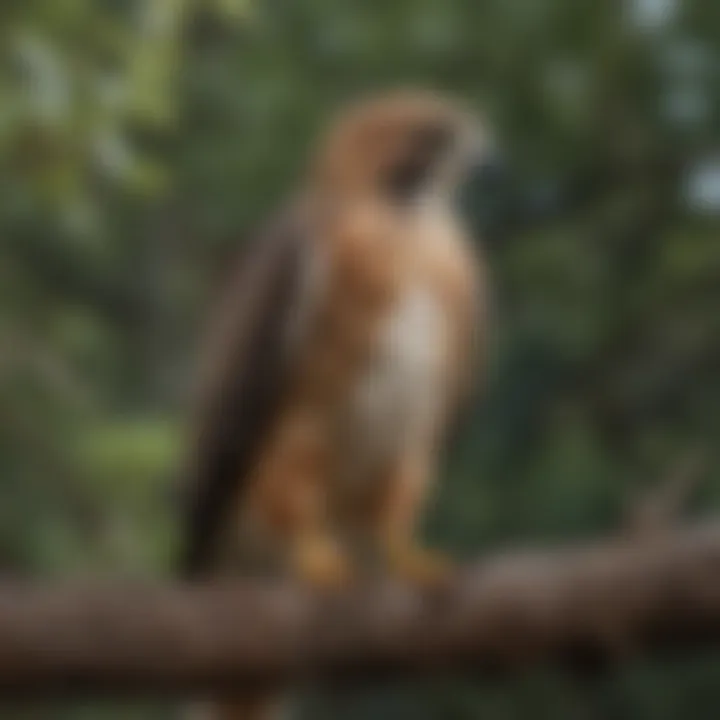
(348, 339)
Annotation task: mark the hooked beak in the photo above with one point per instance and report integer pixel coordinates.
(483, 194)
(488, 170)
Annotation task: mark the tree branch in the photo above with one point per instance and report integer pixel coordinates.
(592, 604)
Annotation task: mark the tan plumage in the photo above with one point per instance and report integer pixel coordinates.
(346, 346)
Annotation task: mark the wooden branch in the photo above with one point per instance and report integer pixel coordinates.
(597, 603)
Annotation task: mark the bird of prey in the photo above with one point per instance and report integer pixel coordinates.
(347, 341)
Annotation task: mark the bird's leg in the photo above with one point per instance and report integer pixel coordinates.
(395, 524)
(312, 551)
(292, 494)
(316, 553)
(318, 557)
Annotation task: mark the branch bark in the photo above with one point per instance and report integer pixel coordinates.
(574, 606)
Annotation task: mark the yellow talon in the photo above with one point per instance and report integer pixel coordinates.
(321, 562)
(419, 566)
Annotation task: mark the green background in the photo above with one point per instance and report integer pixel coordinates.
(141, 141)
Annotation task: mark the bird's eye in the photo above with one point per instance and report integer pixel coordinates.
(425, 146)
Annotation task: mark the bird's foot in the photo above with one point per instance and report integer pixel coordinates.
(419, 566)
(322, 562)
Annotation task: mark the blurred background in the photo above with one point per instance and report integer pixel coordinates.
(140, 141)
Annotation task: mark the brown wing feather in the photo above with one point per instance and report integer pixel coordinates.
(242, 385)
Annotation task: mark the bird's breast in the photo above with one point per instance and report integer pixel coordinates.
(397, 401)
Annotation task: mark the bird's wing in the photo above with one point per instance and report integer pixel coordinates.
(244, 382)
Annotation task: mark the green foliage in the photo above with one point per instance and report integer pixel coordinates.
(140, 141)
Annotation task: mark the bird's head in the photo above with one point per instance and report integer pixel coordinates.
(404, 147)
